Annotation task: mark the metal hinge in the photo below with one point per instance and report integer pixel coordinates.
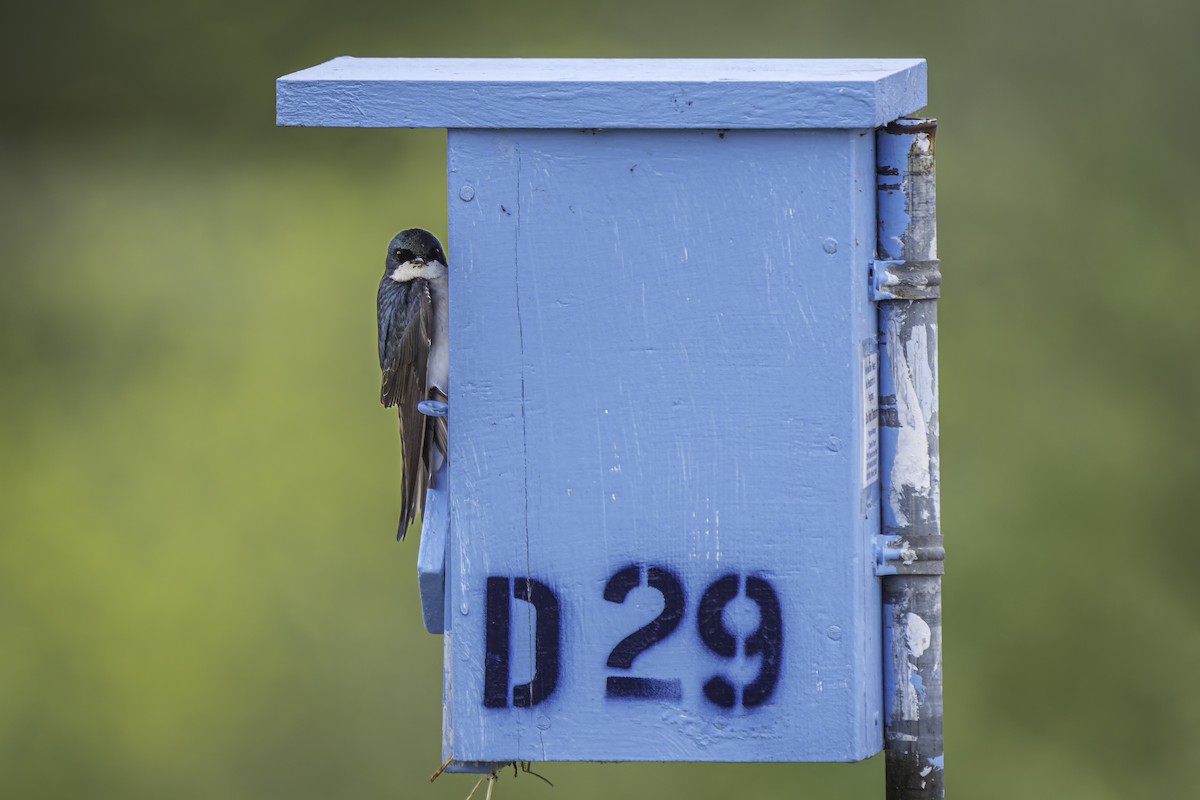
(909, 555)
(905, 280)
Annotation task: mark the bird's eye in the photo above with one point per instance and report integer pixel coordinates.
(396, 253)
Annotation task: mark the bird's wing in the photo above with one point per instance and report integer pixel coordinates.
(404, 355)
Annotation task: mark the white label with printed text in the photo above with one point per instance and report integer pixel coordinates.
(870, 407)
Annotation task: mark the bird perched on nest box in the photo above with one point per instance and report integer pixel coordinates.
(414, 357)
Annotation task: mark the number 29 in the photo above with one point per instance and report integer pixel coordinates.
(765, 641)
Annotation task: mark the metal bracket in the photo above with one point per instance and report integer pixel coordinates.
(905, 280)
(909, 555)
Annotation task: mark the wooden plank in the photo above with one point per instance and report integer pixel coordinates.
(601, 93)
(658, 410)
(487, 439)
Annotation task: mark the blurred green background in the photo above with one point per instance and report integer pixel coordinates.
(199, 591)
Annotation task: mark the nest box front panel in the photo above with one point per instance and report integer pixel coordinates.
(662, 447)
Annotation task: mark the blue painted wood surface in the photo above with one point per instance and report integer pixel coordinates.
(601, 93)
(431, 555)
(662, 433)
(658, 345)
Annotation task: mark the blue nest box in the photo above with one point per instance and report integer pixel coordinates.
(654, 541)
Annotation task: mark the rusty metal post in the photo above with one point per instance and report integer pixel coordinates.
(906, 283)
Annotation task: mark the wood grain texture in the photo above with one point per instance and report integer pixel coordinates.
(487, 432)
(657, 350)
(601, 93)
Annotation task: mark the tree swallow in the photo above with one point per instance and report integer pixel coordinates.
(414, 357)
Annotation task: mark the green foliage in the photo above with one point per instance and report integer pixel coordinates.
(199, 591)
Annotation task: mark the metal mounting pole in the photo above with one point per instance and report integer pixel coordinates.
(906, 283)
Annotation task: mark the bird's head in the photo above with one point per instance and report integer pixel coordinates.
(413, 253)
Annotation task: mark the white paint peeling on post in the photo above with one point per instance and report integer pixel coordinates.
(907, 282)
(912, 377)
